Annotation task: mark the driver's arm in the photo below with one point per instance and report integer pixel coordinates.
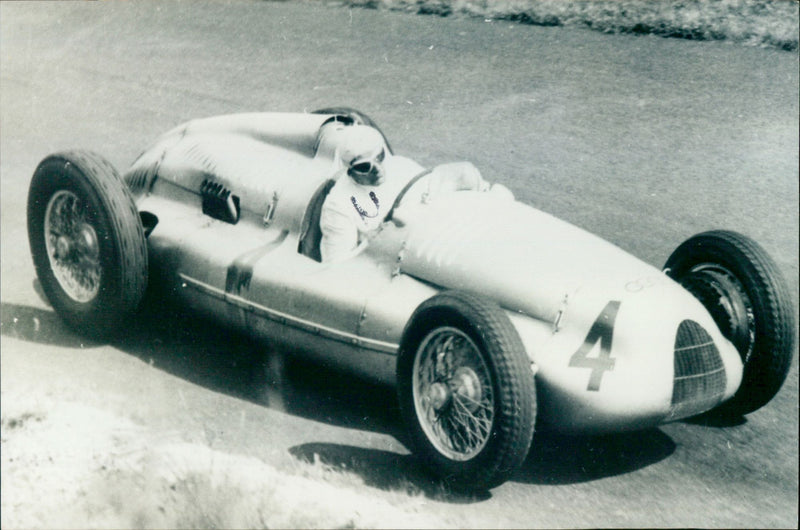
(339, 234)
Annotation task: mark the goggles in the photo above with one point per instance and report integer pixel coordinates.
(369, 165)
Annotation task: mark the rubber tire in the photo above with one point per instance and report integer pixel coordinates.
(358, 117)
(760, 278)
(122, 248)
(514, 387)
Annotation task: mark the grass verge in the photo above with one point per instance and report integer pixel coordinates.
(766, 23)
(70, 465)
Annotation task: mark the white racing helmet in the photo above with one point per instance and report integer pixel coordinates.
(360, 143)
(363, 152)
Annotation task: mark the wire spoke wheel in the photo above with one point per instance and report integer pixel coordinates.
(72, 246)
(87, 241)
(453, 393)
(466, 390)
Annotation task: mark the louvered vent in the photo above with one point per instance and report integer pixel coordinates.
(141, 179)
(219, 202)
(137, 180)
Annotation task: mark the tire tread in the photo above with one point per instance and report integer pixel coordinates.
(515, 390)
(769, 363)
(124, 229)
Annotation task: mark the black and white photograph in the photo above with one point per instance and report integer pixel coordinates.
(399, 264)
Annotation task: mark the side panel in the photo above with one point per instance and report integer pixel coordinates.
(301, 337)
(251, 277)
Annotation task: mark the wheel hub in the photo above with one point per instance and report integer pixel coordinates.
(729, 306)
(453, 393)
(439, 396)
(72, 246)
(63, 248)
(466, 385)
(88, 241)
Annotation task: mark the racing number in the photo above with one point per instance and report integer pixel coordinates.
(602, 331)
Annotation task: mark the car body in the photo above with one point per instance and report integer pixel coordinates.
(229, 207)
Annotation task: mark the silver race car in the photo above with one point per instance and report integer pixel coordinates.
(487, 315)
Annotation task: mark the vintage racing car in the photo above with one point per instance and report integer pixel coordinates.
(489, 316)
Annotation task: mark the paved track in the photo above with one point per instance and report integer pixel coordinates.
(642, 140)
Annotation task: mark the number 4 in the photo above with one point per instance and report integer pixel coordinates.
(603, 331)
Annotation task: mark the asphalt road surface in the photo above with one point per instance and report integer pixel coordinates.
(642, 140)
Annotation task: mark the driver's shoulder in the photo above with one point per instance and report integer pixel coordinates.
(402, 166)
(400, 170)
(339, 193)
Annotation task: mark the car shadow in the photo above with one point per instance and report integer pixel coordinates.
(717, 420)
(211, 355)
(553, 460)
(384, 470)
(223, 360)
(42, 326)
(556, 459)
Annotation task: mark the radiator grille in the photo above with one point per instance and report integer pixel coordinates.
(699, 373)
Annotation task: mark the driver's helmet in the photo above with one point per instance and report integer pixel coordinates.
(361, 144)
(344, 141)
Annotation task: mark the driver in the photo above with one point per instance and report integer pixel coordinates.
(369, 182)
(365, 189)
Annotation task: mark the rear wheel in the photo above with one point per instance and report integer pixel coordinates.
(466, 390)
(745, 293)
(87, 241)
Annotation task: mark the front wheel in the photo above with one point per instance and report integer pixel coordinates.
(466, 390)
(744, 292)
(87, 241)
